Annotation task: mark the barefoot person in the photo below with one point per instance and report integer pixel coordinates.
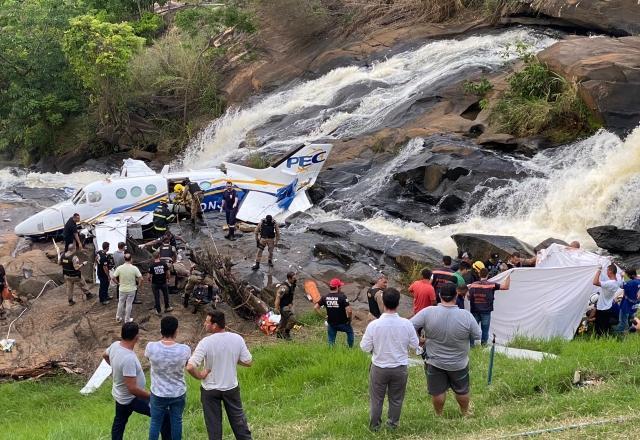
(447, 330)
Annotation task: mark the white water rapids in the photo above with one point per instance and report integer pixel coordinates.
(593, 182)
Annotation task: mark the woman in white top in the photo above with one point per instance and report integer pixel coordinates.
(168, 387)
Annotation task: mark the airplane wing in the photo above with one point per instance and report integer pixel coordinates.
(256, 205)
(135, 168)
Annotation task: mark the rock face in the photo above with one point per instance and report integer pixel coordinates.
(607, 71)
(616, 17)
(616, 240)
(482, 246)
(548, 242)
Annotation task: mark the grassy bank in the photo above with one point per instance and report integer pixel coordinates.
(307, 391)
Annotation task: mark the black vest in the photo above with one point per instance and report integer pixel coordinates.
(160, 215)
(268, 230)
(194, 188)
(287, 298)
(166, 251)
(374, 309)
(68, 269)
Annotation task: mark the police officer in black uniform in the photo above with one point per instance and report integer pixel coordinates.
(374, 296)
(284, 304)
(230, 206)
(162, 216)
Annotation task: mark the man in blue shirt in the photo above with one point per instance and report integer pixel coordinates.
(629, 301)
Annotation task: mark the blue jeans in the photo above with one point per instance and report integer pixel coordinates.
(332, 330)
(623, 323)
(484, 319)
(160, 406)
(123, 412)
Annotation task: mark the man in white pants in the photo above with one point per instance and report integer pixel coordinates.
(389, 338)
(129, 279)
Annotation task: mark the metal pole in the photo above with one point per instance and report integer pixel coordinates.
(491, 357)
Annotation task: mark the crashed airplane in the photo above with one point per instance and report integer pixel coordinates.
(130, 198)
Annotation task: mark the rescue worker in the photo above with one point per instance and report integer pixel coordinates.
(196, 195)
(481, 295)
(198, 279)
(161, 218)
(167, 251)
(181, 198)
(374, 296)
(71, 271)
(230, 206)
(493, 265)
(267, 235)
(442, 275)
(284, 305)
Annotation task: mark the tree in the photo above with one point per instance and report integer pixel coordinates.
(99, 53)
(38, 92)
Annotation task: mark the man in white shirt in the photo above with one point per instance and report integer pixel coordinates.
(609, 288)
(220, 352)
(129, 382)
(389, 338)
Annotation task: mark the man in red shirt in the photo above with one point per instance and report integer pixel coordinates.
(423, 293)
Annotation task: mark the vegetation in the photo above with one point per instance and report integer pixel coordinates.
(304, 390)
(539, 101)
(480, 89)
(257, 160)
(88, 71)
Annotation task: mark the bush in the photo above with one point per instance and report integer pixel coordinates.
(257, 160)
(538, 101)
(299, 19)
(148, 27)
(208, 21)
(478, 88)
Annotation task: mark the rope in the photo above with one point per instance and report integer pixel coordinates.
(27, 308)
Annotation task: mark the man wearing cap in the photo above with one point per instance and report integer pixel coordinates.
(230, 207)
(493, 265)
(339, 312)
(481, 295)
(161, 218)
(477, 266)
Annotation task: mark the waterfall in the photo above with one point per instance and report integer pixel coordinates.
(350, 101)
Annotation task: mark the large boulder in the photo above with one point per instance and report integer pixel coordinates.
(548, 242)
(616, 17)
(31, 264)
(607, 71)
(616, 240)
(482, 246)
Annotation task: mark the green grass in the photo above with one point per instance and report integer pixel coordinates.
(304, 390)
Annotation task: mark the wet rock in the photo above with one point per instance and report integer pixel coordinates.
(607, 71)
(548, 242)
(615, 239)
(482, 246)
(451, 203)
(336, 228)
(363, 273)
(42, 196)
(298, 217)
(345, 252)
(33, 263)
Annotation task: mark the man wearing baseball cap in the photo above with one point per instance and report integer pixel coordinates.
(339, 312)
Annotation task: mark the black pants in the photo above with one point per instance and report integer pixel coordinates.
(67, 242)
(103, 293)
(212, 401)
(156, 289)
(603, 322)
(141, 407)
(230, 217)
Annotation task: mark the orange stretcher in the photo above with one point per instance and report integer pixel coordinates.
(311, 289)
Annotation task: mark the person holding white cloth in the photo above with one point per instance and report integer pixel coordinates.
(389, 338)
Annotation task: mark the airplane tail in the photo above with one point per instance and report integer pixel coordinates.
(305, 162)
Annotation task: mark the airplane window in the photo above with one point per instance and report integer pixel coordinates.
(205, 185)
(79, 197)
(121, 193)
(136, 191)
(94, 197)
(150, 189)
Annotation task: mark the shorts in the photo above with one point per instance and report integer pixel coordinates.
(439, 380)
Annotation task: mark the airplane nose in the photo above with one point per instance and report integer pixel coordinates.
(31, 226)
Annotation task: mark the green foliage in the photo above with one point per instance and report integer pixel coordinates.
(210, 21)
(257, 160)
(538, 101)
(99, 53)
(299, 19)
(478, 88)
(292, 387)
(37, 89)
(148, 27)
(122, 10)
(413, 273)
(379, 146)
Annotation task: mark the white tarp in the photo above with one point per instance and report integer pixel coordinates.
(546, 301)
(99, 376)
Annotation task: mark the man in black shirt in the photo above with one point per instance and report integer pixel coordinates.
(374, 296)
(159, 275)
(102, 263)
(70, 232)
(339, 312)
(230, 206)
(284, 305)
